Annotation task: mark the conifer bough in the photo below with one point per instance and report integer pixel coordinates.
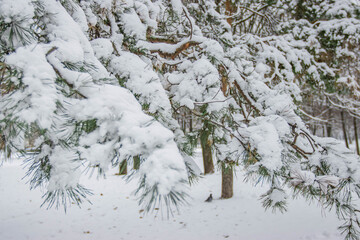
(102, 82)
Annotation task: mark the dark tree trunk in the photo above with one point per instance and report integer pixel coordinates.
(207, 157)
(136, 160)
(328, 124)
(206, 152)
(183, 123)
(344, 129)
(123, 168)
(328, 130)
(314, 129)
(356, 137)
(313, 113)
(190, 123)
(226, 181)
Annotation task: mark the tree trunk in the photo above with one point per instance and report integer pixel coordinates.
(230, 9)
(136, 160)
(329, 120)
(123, 168)
(191, 123)
(328, 125)
(356, 137)
(206, 152)
(344, 129)
(226, 181)
(183, 123)
(328, 130)
(314, 129)
(207, 157)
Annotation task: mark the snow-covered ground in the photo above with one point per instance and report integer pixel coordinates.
(115, 214)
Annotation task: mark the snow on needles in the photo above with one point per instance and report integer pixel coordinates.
(40, 89)
(141, 80)
(121, 130)
(17, 11)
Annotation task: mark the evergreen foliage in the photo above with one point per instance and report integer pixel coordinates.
(99, 82)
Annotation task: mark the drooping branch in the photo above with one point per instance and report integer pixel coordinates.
(312, 117)
(256, 12)
(215, 101)
(70, 85)
(167, 49)
(177, 51)
(190, 22)
(246, 98)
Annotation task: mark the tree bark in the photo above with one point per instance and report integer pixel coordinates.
(190, 122)
(314, 129)
(328, 124)
(356, 137)
(344, 129)
(226, 181)
(184, 123)
(206, 152)
(123, 168)
(328, 130)
(230, 9)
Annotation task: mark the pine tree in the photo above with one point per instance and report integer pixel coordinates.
(101, 83)
(55, 85)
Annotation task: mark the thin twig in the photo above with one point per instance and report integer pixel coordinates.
(201, 103)
(246, 98)
(191, 26)
(70, 85)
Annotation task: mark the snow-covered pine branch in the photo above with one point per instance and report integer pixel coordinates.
(81, 116)
(101, 81)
